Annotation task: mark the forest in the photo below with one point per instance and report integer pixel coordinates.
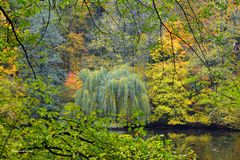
(120, 79)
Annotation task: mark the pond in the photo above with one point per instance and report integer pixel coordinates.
(207, 144)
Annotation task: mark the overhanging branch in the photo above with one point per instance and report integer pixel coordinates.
(18, 40)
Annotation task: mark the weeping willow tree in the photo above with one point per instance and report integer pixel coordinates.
(113, 93)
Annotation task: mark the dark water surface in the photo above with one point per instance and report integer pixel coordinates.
(207, 144)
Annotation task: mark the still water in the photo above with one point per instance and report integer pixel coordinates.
(207, 144)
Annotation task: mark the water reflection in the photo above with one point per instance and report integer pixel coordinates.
(207, 144)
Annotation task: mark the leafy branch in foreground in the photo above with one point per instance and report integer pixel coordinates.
(85, 137)
(18, 40)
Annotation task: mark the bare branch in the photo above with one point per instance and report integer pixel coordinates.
(91, 16)
(45, 28)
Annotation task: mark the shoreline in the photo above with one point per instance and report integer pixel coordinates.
(155, 126)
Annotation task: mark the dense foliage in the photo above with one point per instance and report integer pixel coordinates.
(185, 92)
(184, 69)
(73, 135)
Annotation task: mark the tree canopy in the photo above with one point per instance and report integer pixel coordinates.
(66, 66)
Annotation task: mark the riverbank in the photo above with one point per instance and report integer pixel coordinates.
(190, 126)
(207, 142)
(155, 126)
(210, 144)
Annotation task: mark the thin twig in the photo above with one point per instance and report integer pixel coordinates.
(91, 16)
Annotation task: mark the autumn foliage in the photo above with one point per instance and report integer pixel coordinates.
(72, 82)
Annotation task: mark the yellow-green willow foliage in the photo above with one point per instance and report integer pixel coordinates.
(111, 93)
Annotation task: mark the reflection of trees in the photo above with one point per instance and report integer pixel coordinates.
(210, 146)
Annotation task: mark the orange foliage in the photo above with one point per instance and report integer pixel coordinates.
(72, 81)
(74, 49)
